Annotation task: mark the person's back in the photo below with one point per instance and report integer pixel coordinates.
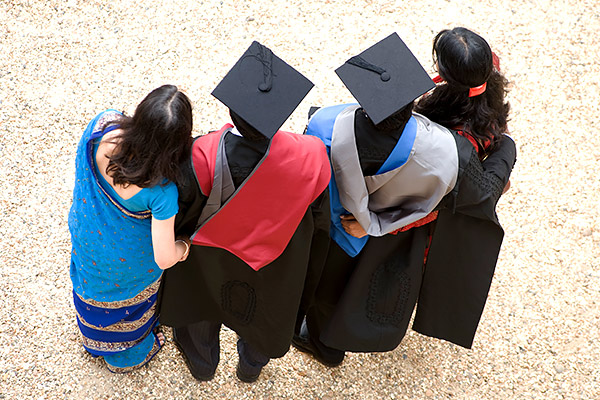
(470, 98)
(121, 225)
(365, 302)
(258, 201)
(391, 168)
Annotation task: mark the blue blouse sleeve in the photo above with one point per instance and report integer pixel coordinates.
(163, 202)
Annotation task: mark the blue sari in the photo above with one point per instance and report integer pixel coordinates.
(114, 275)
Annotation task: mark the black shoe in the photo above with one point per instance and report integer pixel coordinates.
(244, 377)
(302, 343)
(198, 373)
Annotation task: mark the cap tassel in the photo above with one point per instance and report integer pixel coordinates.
(265, 57)
(360, 62)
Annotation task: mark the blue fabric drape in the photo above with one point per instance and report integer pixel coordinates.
(114, 275)
(321, 125)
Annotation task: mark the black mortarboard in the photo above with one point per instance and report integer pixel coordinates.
(262, 89)
(385, 78)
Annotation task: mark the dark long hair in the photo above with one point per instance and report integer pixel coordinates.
(153, 142)
(465, 60)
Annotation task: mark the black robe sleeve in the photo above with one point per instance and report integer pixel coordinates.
(319, 248)
(191, 202)
(465, 247)
(480, 184)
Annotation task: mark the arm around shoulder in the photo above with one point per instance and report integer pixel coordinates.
(481, 183)
(502, 160)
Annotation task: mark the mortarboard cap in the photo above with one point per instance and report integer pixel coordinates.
(262, 89)
(385, 78)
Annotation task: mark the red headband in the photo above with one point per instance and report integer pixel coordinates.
(476, 91)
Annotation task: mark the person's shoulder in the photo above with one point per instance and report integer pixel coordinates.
(105, 118)
(507, 145)
(322, 121)
(426, 123)
(300, 141)
(165, 187)
(331, 112)
(507, 137)
(161, 200)
(158, 196)
(431, 132)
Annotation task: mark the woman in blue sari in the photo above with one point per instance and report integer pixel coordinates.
(122, 224)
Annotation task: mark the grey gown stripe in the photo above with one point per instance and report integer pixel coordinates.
(222, 187)
(352, 189)
(386, 202)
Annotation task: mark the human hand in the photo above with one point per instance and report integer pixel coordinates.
(352, 227)
(506, 187)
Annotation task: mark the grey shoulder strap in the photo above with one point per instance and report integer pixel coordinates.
(223, 187)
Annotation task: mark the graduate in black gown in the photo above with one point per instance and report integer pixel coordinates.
(365, 303)
(256, 209)
(469, 98)
(400, 166)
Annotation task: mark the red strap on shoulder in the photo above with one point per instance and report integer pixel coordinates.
(257, 223)
(204, 151)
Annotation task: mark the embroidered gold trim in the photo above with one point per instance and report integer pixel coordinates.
(122, 326)
(121, 370)
(107, 116)
(142, 296)
(113, 347)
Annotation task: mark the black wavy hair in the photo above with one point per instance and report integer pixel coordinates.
(154, 141)
(464, 60)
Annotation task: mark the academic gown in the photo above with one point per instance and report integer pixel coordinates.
(365, 303)
(377, 285)
(382, 285)
(214, 284)
(465, 247)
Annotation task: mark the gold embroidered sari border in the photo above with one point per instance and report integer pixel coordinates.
(142, 296)
(112, 347)
(122, 326)
(121, 370)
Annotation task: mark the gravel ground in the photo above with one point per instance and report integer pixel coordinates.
(63, 61)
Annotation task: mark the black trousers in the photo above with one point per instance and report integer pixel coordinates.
(200, 342)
